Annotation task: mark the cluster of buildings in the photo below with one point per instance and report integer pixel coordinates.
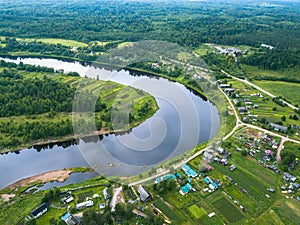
(228, 51)
(221, 155)
(291, 186)
(67, 198)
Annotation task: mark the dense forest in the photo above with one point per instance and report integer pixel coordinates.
(188, 24)
(185, 23)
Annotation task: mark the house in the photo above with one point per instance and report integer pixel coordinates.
(288, 177)
(67, 199)
(242, 109)
(277, 127)
(271, 190)
(246, 120)
(225, 85)
(155, 65)
(60, 71)
(207, 180)
(269, 152)
(228, 90)
(165, 177)
(84, 205)
(101, 206)
(224, 162)
(69, 219)
(232, 167)
(267, 46)
(106, 194)
(189, 171)
(39, 211)
(185, 189)
(235, 101)
(211, 214)
(139, 213)
(144, 194)
(296, 185)
(179, 175)
(219, 150)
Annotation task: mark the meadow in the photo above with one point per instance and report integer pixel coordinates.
(288, 90)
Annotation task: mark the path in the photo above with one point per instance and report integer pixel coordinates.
(278, 157)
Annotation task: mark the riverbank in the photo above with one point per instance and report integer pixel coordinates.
(56, 175)
(40, 179)
(72, 137)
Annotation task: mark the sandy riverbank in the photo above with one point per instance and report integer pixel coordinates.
(56, 175)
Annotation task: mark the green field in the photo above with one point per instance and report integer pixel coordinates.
(290, 91)
(14, 213)
(65, 42)
(288, 210)
(227, 209)
(170, 213)
(270, 218)
(253, 71)
(196, 211)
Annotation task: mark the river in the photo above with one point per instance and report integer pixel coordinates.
(184, 119)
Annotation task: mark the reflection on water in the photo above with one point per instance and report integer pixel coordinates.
(183, 120)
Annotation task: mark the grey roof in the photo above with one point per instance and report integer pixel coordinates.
(279, 127)
(144, 195)
(40, 209)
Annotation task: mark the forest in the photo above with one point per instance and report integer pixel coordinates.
(188, 24)
(185, 23)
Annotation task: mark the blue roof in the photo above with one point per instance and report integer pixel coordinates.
(206, 180)
(215, 185)
(165, 177)
(186, 188)
(189, 180)
(179, 175)
(66, 216)
(189, 171)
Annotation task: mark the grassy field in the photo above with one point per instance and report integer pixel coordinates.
(269, 217)
(290, 91)
(65, 42)
(252, 71)
(14, 213)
